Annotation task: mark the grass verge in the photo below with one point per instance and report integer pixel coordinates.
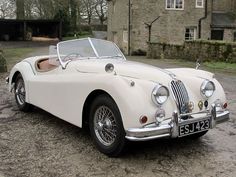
(221, 66)
(14, 55)
(78, 37)
(214, 67)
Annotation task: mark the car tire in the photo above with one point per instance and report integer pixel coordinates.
(106, 126)
(20, 93)
(197, 135)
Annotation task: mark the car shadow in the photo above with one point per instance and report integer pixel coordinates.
(150, 150)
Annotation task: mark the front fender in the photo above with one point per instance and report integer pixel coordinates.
(133, 98)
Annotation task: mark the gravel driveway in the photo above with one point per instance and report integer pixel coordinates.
(38, 144)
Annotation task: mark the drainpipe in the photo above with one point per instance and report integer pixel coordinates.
(203, 18)
(129, 28)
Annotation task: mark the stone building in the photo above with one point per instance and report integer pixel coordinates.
(175, 21)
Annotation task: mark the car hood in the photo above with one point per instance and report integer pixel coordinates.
(126, 69)
(141, 71)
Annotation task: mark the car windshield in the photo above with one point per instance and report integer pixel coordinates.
(87, 49)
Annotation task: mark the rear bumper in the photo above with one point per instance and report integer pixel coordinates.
(7, 80)
(171, 129)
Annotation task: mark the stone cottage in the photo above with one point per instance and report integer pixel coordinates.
(131, 23)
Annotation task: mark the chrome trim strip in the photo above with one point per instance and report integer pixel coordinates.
(147, 138)
(30, 66)
(175, 125)
(95, 51)
(180, 93)
(190, 114)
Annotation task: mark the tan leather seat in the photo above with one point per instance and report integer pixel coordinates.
(44, 65)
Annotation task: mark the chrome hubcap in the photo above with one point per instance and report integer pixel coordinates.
(105, 125)
(20, 92)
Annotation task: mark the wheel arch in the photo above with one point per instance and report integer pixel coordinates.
(22, 68)
(13, 80)
(87, 104)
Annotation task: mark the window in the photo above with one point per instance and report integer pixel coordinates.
(217, 34)
(199, 3)
(235, 36)
(190, 33)
(175, 4)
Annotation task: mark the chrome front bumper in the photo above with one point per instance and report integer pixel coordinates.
(171, 129)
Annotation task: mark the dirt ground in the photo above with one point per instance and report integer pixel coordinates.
(37, 144)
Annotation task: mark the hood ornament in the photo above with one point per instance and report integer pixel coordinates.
(198, 64)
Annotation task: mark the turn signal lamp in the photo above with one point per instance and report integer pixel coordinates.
(143, 119)
(225, 105)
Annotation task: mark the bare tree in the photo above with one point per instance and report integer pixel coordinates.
(7, 8)
(74, 13)
(87, 10)
(42, 9)
(20, 9)
(101, 10)
(93, 9)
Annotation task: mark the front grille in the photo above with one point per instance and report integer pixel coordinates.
(181, 96)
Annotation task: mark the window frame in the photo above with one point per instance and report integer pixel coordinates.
(175, 6)
(194, 33)
(125, 36)
(202, 6)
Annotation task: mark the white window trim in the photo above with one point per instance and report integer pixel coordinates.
(174, 6)
(194, 33)
(202, 6)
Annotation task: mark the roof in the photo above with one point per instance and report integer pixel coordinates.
(223, 20)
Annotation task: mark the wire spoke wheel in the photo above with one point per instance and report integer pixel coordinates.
(20, 94)
(20, 91)
(105, 126)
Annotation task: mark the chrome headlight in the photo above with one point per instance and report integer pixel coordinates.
(207, 88)
(160, 94)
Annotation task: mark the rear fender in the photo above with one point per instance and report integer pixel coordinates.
(24, 68)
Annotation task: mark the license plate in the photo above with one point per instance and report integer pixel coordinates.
(195, 127)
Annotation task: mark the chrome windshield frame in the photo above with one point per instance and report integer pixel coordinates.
(64, 64)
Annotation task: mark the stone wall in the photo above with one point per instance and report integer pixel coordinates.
(118, 23)
(193, 50)
(3, 64)
(223, 5)
(169, 28)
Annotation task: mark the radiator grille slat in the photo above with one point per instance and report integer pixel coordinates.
(181, 96)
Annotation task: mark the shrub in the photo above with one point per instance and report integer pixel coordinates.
(3, 63)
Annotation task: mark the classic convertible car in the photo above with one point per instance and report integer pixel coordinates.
(89, 81)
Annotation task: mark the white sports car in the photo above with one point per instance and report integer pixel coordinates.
(89, 81)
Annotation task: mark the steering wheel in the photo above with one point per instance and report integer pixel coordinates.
(74, 55)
